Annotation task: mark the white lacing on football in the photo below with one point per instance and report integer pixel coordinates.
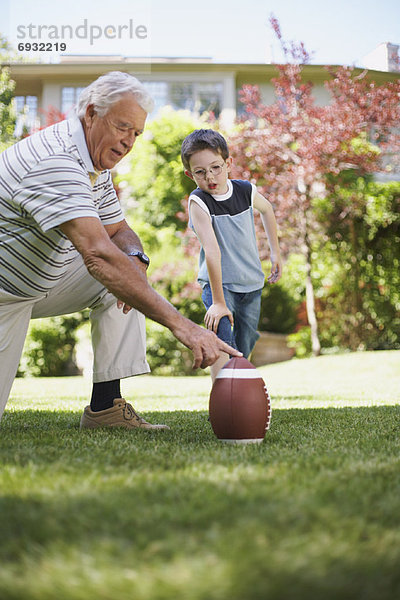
(269, 409)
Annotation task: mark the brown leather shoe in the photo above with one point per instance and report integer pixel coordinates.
(121, 414)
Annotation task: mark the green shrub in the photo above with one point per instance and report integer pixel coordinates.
(49, 347)
(362, 304)
(278, 310)
(301, 342)
(165, 355)
(177, 283)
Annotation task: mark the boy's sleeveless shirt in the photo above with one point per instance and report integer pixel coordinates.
(233, 223)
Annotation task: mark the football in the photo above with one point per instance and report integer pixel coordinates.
(240, 406)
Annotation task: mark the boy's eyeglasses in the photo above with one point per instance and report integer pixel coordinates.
(214, 170)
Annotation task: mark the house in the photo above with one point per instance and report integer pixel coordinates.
(384, 57)
(196, 84)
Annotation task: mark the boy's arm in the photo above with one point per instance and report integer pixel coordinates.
(203, 228)
(268, 219)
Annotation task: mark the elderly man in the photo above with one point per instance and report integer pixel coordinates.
(65, 246)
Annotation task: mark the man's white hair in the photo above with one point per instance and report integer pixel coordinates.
(110, 88)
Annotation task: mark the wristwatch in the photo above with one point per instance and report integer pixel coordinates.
(141, 256)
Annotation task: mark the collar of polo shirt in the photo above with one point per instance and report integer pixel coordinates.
(78, 138)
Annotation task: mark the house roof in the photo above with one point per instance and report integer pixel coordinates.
(76, 65)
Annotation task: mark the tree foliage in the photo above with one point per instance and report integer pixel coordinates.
(7, 86)
(155, 182)
(364, 238)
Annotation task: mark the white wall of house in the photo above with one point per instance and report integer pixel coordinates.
(51, 95)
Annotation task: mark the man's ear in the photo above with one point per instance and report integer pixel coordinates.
(89, 114)
(229, 161)
(188, 174)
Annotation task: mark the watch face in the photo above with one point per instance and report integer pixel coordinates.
(143, 257)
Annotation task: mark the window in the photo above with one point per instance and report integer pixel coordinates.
(69, 98)
(159, 92)
(181, 96)
(26, 108)
(186, 95)
(209, 98)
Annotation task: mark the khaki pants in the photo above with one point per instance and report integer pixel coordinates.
(118, 340)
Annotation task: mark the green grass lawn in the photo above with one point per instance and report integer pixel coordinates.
(312, 513)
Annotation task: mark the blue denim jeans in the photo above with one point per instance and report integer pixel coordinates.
(245, 308)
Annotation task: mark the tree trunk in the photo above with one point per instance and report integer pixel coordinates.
(310, 301)
(355, 333)
(311, 316)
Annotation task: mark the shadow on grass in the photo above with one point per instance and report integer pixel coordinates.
(311, 512)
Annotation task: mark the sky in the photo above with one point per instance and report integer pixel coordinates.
(335, 31)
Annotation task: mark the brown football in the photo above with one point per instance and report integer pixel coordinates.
(240, 406)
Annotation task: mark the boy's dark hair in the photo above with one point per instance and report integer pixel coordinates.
(203, 139)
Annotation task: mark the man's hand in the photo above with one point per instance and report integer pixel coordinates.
(215, 314)
(204, 344)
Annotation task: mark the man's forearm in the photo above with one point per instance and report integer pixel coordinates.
(124, 278)
(127, 281)
(121, 275)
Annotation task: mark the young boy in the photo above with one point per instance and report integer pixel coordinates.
(221, 214)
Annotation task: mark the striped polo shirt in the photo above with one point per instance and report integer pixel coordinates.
(232, 219)
(46, 180)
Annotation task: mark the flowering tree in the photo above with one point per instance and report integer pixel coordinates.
(293, 149)
(51, 116)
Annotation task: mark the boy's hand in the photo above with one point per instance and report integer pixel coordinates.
(276, 270)
(214, 315)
